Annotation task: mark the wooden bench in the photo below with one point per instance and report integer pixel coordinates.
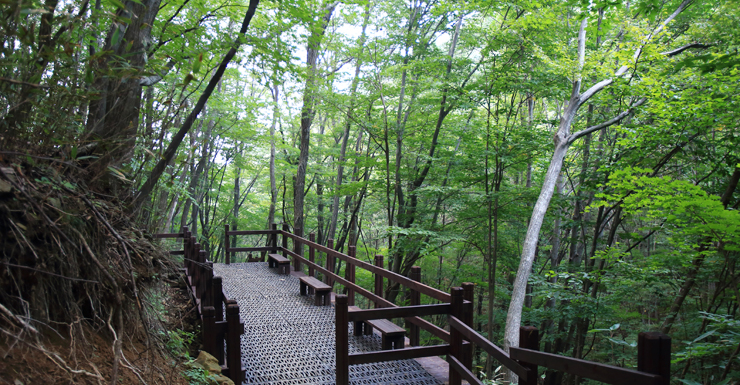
(392, 335)
(277, 260)
(320, 290)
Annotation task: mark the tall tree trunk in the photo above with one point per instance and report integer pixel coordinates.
(307, 114)
(115, 122)
(347, 125)
(273, 179)
(235, 209)
(407, 211)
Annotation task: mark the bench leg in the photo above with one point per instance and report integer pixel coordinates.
(368, 329)
(358, 328)
(398, 343)
(319, 299)
(303, 288)
(386, 343)
(270, 263)
(285, 268)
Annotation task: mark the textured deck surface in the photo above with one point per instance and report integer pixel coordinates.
(288, 340)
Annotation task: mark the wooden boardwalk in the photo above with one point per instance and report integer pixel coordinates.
(289, 340)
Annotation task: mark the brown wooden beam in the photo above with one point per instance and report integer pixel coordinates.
(586, 369)
(398, 354)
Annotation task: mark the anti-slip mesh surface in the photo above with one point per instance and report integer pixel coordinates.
(289, 340)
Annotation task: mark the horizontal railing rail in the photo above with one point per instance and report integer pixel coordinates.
(407, 282)
(228, 250)
(424, 324)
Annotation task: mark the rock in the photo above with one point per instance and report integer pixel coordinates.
(5, 187)
(220, 379)
(208, 363)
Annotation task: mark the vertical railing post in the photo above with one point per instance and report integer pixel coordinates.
(185, 241)
(227, 246)
(233, 344)
(205, 280)
(330, 262)
(298, 249)
(218, 306)
(342, 340)
(378, 279)
(456, 304)
(193, 254)
(218, 299)
(349, 274)
(654, 355)
(196, 268)
(186, 252)
(468, 296)
(202, 266)
(529, 338)
(286, 229)
(415, 296)
(311, 254)
(273, 240)
(209, 330)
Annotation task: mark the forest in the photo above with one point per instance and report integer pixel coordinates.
(578, 161)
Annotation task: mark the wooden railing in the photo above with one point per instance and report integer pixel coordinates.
(219, 334)
(653, 348)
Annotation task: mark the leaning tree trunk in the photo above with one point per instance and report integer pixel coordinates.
(563, 139)
(171, 150)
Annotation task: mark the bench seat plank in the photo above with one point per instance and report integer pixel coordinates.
(320, 290)
(315, 283)
(387, 327)
(277, 260)
(392, 335)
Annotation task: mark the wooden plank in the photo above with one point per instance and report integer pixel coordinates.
(177, 252)
(167, 235)
(387, 327)
(587, 369)
(278, 258)
(315, 283)
(497, 353)
(251, 232)
(398, 312)
(466, 374)
(399, 354)
(424, 324)
(410, 283)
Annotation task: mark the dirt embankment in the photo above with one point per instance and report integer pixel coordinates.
(85, 295)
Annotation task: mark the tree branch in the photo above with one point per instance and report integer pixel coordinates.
(684, 48)
(573, 137)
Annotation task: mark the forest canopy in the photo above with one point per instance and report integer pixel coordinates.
(433, 132)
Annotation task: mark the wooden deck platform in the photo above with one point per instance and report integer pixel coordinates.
(289, 340)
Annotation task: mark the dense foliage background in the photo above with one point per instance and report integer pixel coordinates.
(420, 130)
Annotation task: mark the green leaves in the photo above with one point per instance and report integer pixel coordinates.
(197, 64)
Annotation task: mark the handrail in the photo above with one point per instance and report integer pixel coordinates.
(489, 347)
(398, 312)
(411, 284)
(424, 324)
(587, 369)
